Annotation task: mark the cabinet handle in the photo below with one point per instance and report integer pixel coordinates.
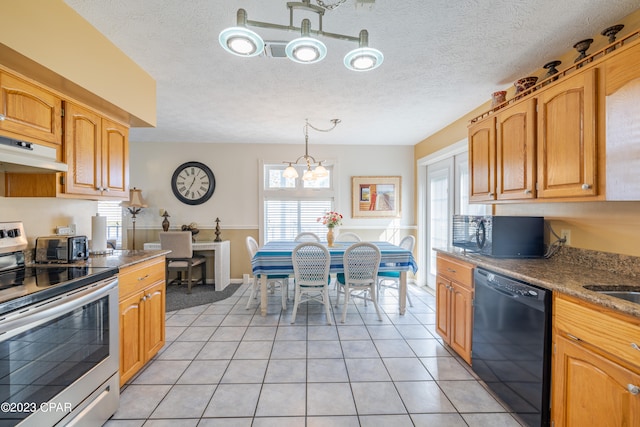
(451, 270)
(106, 189)
(491, 194)
(148, 296)
(527, 191)
(143, 277)
(633, 389)
(586, 186)
(144, 298)
(573, 337)
(635, 346)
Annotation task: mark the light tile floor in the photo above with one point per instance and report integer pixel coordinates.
(224, 365)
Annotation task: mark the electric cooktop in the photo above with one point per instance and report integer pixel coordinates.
(33, 284)
(22, 284)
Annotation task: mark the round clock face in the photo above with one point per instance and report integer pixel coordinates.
(193, 183)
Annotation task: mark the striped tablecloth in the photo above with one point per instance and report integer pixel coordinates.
(275, 258)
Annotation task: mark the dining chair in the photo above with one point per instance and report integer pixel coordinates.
(391, 279)
(181, 258)
(311, 262)
(307, 236)
(348, 237)
(282, 280)
(361, 262)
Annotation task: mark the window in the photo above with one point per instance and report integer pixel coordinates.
(292, 205)
(113, 211)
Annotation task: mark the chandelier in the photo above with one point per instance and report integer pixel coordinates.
(241, 41)
(319, 171)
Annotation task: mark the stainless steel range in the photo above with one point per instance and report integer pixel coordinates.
(58, 339)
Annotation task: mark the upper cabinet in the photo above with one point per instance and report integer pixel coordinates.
(502, 154)
(574, 139)
(97, 150)
(482, 161)
(567, 158)
(29, 112)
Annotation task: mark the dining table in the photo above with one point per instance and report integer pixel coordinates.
(275, 257)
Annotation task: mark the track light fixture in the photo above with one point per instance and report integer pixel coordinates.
(241, 41)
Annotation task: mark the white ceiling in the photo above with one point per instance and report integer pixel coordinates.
(443, 58)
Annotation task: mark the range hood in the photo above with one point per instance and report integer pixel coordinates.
(26, 157)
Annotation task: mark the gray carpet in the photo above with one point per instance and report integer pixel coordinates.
(178, 298)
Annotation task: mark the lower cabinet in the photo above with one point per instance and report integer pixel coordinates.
(596, 366)
(454, 304)
(142, 315)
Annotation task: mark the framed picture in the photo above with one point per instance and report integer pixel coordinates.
(375, 196)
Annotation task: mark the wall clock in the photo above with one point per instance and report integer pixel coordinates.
(193, 183)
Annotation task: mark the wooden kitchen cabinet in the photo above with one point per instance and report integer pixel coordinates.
(543, 147)
(516, 152)
(596, 365)
(96, 150)
(29, 112)
(142, 315)
(482, 160)
(567, 156)
(454, 304)
(502, 155)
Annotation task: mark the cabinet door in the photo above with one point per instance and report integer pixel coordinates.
(443, 312)
(29, 111)
(515, 152)
(132, 356)
(567, 157)
(115, 159)
(154, 322)
(482, 161)
(83, 130)
(461, 321)
(590, 390)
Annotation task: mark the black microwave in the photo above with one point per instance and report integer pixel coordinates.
(500, 236)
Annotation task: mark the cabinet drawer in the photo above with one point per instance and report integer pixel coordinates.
(139, 276)
(612, 332)
(456, 270)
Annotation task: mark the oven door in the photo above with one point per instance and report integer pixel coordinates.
(57, 355)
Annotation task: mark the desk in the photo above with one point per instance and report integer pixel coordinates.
(221, 259)
(275, 258)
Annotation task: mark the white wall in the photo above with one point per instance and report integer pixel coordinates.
(42, 215)
(235, 201)
(236, 168)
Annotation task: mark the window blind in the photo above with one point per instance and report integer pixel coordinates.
(284, 219)
(113, 211)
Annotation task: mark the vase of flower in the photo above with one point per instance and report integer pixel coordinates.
(330, 219)
(330, 237)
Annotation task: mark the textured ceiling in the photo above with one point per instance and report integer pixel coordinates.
(443, 58)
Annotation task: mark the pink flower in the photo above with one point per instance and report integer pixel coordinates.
(331, 219)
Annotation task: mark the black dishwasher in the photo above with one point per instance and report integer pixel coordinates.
(511, 346)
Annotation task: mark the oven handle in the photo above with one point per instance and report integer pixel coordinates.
(52, 308)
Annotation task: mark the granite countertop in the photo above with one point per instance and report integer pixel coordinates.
(565, 274)
(123, 258)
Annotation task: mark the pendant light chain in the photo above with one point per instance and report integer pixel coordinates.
(330, 6)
